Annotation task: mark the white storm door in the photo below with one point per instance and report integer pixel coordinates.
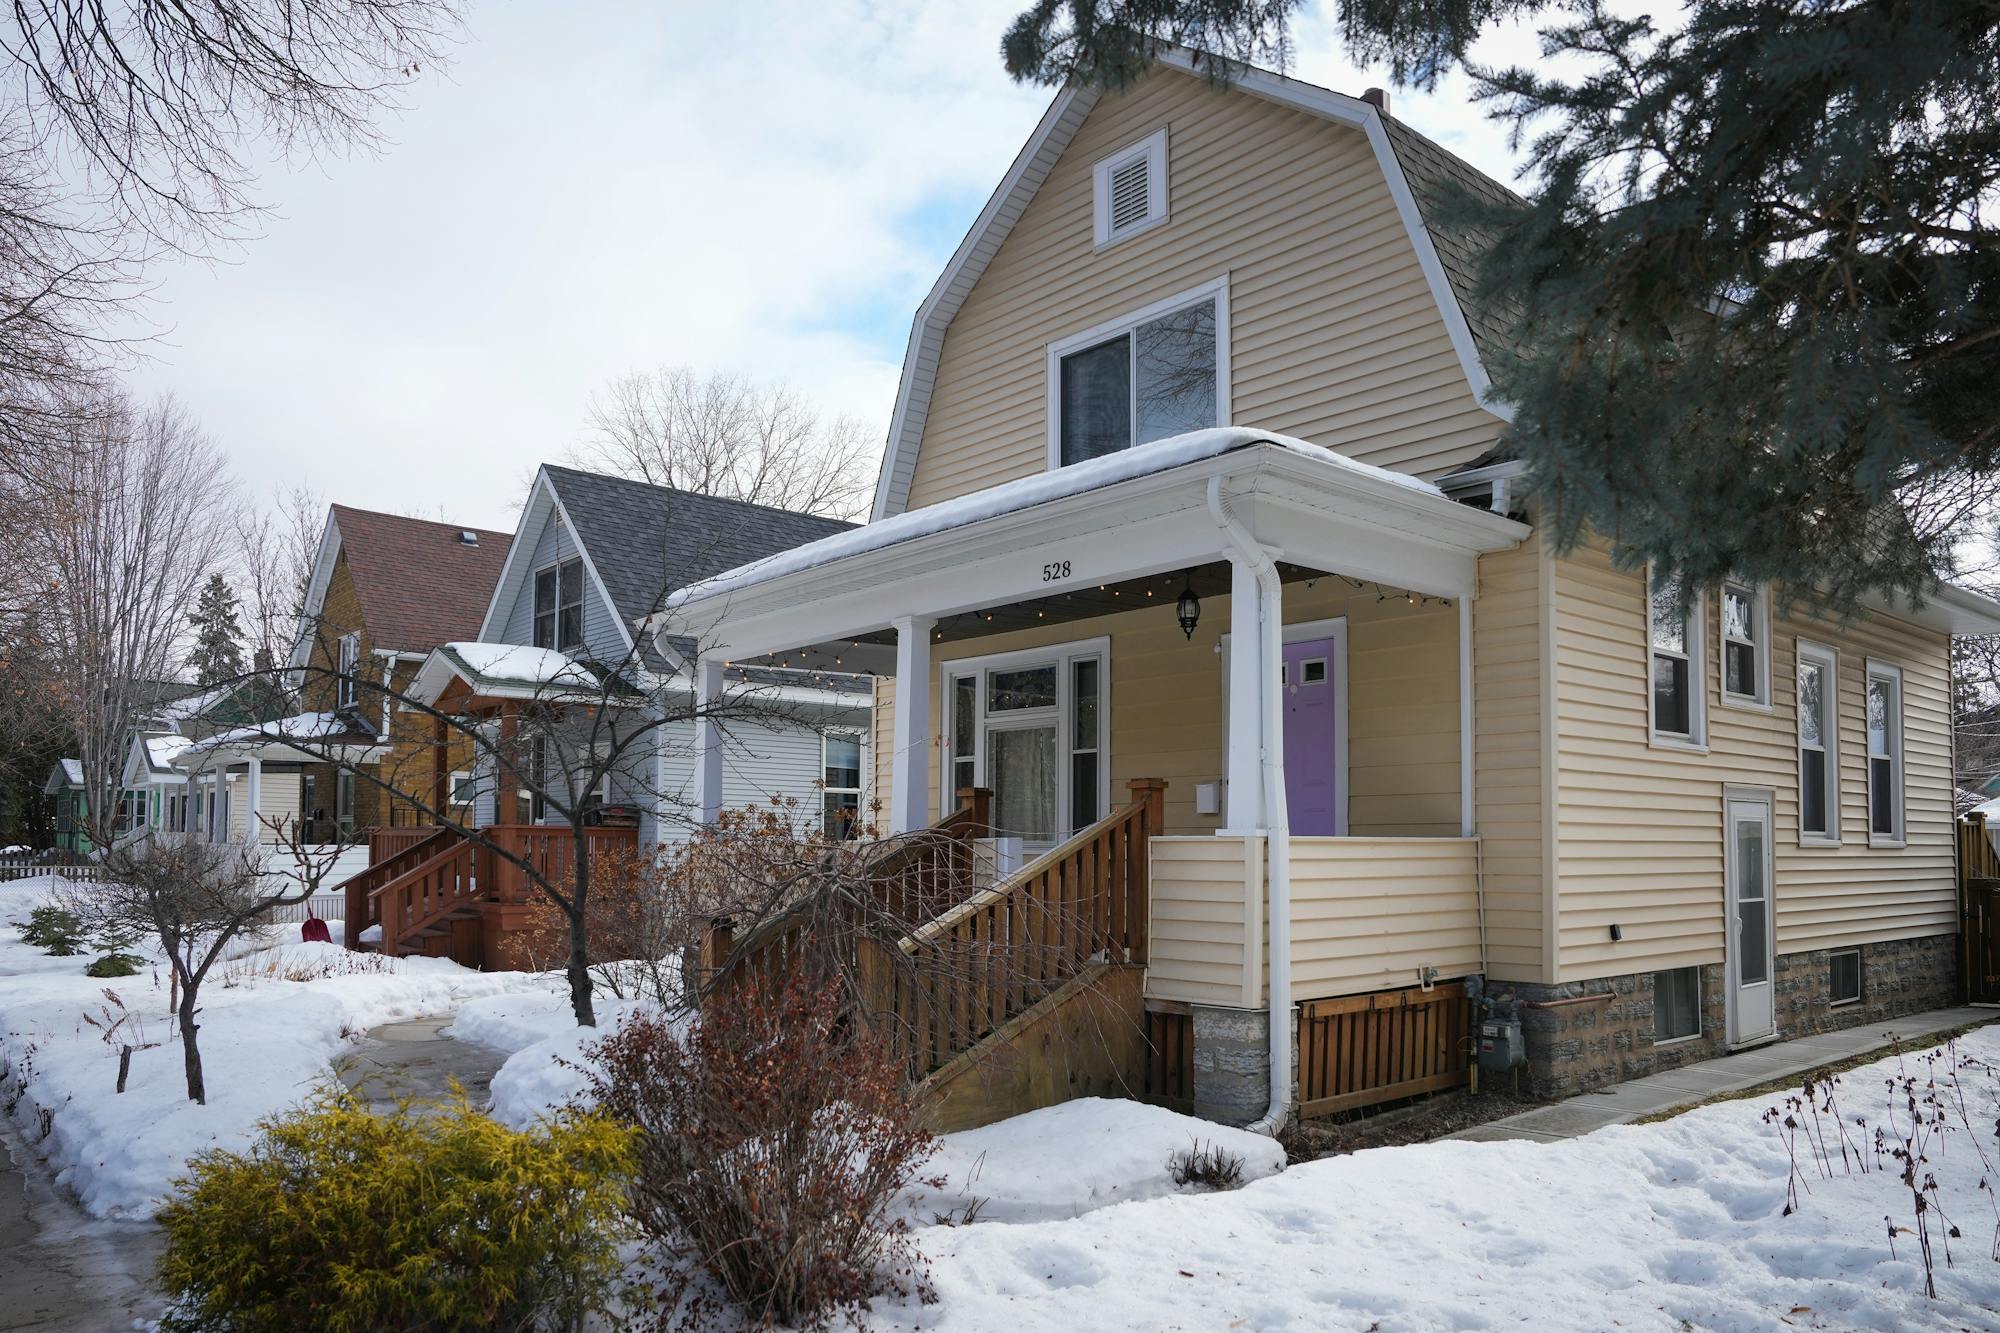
(1749, 917)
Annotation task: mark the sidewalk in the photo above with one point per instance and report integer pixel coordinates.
(1679, 1088)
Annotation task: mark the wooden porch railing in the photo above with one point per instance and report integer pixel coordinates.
(425, 895)
(993, 956)
(391, 854)
(548, 848)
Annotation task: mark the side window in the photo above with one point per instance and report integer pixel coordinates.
(1885, 753)
(1819, 744)
(347, 669)
(1746, 661)
(840, 774)
(1673, 631)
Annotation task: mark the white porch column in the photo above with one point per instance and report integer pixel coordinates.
(708, 739)
(1468, 820)
(1243, 790)
(253, 783)
(909, 799)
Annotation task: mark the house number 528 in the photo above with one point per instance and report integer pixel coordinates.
(1055, 569)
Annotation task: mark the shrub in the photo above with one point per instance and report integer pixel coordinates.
(54, 931)
(115, 965)
(434, 1217)
(1207, 1165)
(774, 1140)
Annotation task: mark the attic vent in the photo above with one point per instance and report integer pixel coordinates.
(467, 537)
(1132, 189)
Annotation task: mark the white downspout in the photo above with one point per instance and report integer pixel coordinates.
(1277, 818)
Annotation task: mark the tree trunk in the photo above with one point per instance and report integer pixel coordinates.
(190, 1052)
(579, 930)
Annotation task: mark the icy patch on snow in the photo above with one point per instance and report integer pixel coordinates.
(1067, 1160)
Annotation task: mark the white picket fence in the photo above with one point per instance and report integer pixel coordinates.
(332, 905)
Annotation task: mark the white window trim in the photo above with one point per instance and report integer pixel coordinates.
(860, 790)
(555, 635)
(1829, 657)
(1760, 614)
(1302, 631)
(347, 671)
(1062, 655)
(1696, 740)
(1216, 290)
(1890, 672)
(1860, 979)
(1154, 148)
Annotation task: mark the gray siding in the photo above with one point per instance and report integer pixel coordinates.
(554, 542)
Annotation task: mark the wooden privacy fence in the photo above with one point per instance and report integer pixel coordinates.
(1979, 909)
(1363, 1050)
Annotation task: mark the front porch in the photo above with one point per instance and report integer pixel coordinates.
(1280, 639)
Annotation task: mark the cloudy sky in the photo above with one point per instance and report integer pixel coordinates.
(594, 187)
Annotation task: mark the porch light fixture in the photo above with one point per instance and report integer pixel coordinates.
(1187, 609)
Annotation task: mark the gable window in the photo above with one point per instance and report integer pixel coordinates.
(347, 669)
(1746, 665)
(1130, 190)
(1819, 745)
(840, 777)
(559, 605)
(1673, 631)
(1885, 754)
(1158, 372)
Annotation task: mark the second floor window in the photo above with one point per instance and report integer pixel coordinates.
(1157, 373)
(559, 606)
(1745, 666)
(348, 670)
(1819, 745)
(1673, 630)
(1885, 753)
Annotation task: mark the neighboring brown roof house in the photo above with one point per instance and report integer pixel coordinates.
(420, 583)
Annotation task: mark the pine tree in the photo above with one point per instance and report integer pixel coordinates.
(218, 651)
(1756, 287)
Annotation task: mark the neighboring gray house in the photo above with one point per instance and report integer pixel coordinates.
(595, 555)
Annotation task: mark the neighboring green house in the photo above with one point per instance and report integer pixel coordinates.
(65, 788)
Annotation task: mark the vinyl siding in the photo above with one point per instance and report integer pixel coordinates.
(881, 750)
(1509, 797)
(759, 765)
(552, 543)
(1166, 703)
(1334, 334)
(1641, 827)
(1206, 914)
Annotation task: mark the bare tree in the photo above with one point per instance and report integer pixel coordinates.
(721, 434)
(279, 547)
(197, 898)
(145, 512)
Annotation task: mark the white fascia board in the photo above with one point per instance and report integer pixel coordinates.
(1951, 609)
(323, 565)
(1003, 208)
(1347, 522)
(534, 513)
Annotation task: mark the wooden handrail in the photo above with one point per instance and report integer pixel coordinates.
(425, 895)
(363, 908)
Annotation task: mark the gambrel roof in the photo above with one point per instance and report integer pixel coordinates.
(1418, 174)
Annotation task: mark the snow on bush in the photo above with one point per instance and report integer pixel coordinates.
(1064, 1161)
(273, 1022)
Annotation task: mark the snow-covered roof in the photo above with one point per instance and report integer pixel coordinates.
(66, 770)
(509, 670)
(1025, 492)
(322, 728)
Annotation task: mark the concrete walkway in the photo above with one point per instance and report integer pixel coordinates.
(419, 1059)
(1689, 1085)
(60, 1268)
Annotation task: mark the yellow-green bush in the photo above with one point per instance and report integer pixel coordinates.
(433, 1218)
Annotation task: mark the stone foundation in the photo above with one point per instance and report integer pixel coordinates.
(1585, 1035)
(1232, 1063)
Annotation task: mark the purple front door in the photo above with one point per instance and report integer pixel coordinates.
(1310, 771)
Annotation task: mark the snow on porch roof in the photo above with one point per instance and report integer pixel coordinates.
(1026, 492)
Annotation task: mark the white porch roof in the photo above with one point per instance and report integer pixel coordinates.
(300, 739)
(1136, 512)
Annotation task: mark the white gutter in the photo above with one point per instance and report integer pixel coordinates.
(1277, 817)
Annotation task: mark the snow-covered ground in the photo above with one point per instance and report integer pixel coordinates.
(545, 1045)
(1674, 1225)
(266, 1040)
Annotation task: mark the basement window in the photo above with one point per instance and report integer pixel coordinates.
(1844, 977)
(1677, 1004)
(1131, 190)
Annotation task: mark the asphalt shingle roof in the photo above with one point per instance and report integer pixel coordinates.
(647, 541)
(418, 583)
(1432, 172)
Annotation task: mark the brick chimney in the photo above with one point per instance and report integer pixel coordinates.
(1377, 98)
